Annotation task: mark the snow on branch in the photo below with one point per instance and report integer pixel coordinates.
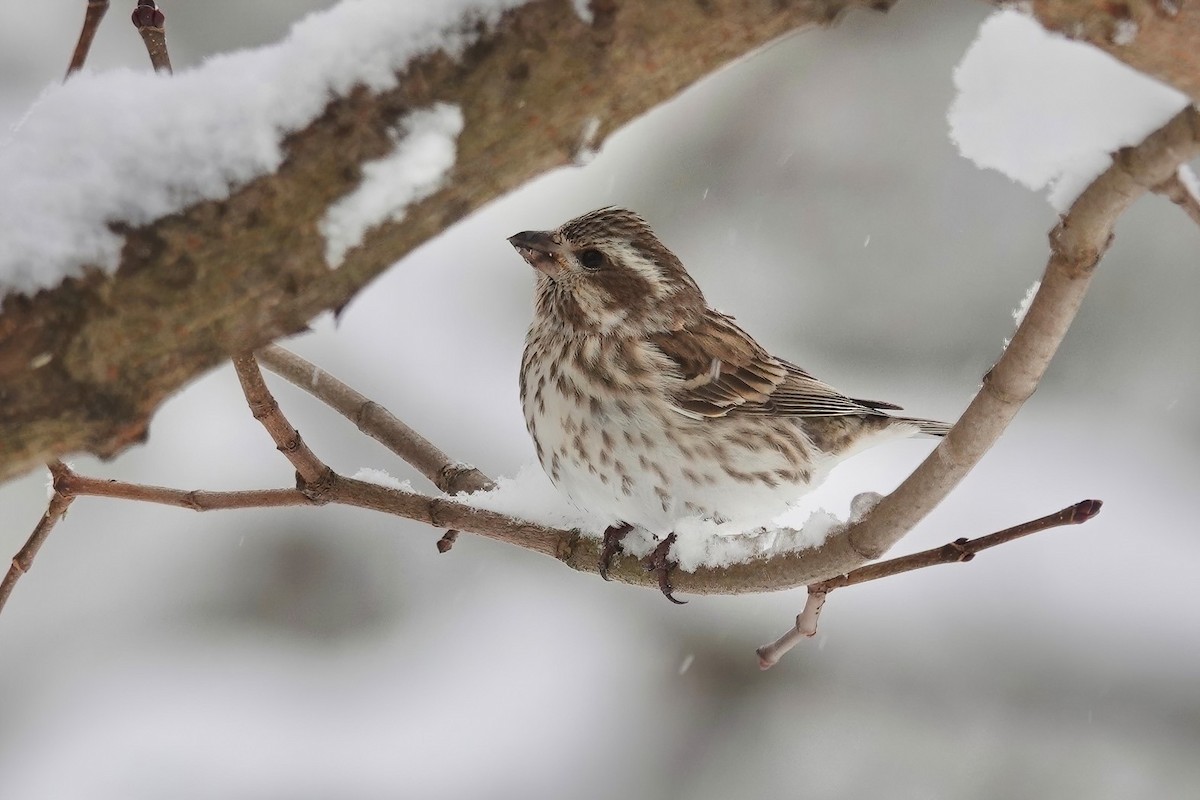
(1046, 111)
(189, 216)
(1155, 37)
(156, 145)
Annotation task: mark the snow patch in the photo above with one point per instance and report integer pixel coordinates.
(1018, 313)
(381, 478)
(1047, 111)
(699, 543)
(585, 151)
(1187, 176)
(531, 496)
(1125, 32)
(132, 146)
(424, 152)
(583, 9)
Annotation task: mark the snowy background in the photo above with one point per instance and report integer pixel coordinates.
(814, 192)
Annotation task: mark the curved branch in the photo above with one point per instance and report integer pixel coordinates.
(83, 366)
(1076, 243)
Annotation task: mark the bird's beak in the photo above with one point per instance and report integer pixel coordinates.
(542, 249)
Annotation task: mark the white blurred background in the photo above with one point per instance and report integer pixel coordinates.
(813, 192)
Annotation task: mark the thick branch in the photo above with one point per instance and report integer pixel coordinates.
(1157, 37)
(83, 366)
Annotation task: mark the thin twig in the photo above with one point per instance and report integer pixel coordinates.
(23, 560)
(313, 475)
(91, 21)
(195, 499)
(1178, 189)
(380, 424)
(150, 22)
(376, 421)
(805, 627)
(436, 511)
(960, 550)
(321, 484)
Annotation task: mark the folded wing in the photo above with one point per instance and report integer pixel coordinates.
(726, 372)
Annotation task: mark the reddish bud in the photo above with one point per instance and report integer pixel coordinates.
(148, 15)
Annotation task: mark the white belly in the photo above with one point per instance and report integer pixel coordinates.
(636, 461)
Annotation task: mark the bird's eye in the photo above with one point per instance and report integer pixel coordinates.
(591, 258)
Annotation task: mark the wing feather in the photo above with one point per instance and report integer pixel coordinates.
(726, 372)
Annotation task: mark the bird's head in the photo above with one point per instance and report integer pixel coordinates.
(607, 273)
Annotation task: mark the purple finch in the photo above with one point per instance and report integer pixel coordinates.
(648, 407)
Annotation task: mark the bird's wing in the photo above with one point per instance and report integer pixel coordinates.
(726, 372)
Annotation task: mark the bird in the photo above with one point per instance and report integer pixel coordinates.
(646, 406)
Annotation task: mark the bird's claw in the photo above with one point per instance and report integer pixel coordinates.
(613, 536)
(660, 563)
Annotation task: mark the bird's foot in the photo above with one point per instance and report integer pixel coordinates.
(613, 536)
(661, 563)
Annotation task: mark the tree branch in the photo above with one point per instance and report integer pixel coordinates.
(312, 474)
(1076, 243)
(339, 490)
(96, 10)
(960, 550)
(375, 421)
(76, 485)
(84, 366)
(60, 501)
(151, 26)
(380, 424)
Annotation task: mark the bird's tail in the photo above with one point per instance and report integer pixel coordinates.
(929, 427)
